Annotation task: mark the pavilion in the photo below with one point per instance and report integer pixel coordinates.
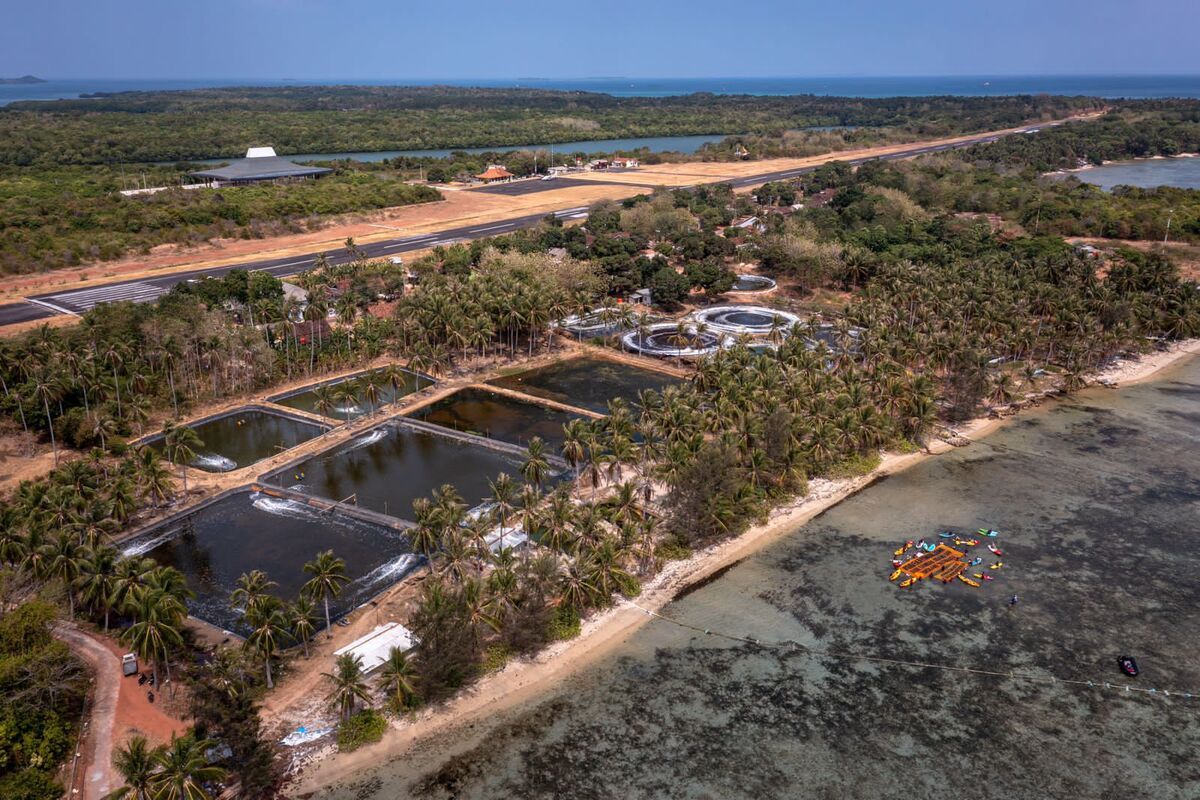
(260, 164)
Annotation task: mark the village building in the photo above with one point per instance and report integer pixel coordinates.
(260, 165)
(494, 173)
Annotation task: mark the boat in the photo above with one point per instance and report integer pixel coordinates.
(968, 581)
(1129, 666)
(989, 577)
(946, 535)
(929, 548)
(896, 562)
(987, 532)
(975, 562)
(896, 574)
(904, 584)
(901, 550)
(921, 544)
(997, 565)
(994, 550)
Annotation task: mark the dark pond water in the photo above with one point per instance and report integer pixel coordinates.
(349, 402)
(240, 439)
(587, 382)
(497, 416)
(392, 465)
(245, 531)
(1097, 501)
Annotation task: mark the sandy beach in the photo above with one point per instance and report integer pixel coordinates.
(524, 679)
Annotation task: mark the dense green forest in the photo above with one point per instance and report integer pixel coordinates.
(65, 216)
(178, 126)
(43, 687)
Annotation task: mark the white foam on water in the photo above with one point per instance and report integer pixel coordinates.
(368, 440)
(135, 549)
(214, 462)
(282, 507)
(348, 410)
(390, 570)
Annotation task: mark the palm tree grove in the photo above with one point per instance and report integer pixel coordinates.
(908, 298)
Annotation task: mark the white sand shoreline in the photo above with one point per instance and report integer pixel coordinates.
(524, 679)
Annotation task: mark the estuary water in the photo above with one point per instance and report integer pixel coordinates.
(1096, 499)
(1183, 173)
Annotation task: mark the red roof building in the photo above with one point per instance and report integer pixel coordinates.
(494, 173)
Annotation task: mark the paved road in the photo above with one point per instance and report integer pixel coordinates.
(77, 301)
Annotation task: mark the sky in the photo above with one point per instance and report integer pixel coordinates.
(397, 39)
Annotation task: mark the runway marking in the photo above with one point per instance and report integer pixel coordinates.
(86, 299)
(51, 307)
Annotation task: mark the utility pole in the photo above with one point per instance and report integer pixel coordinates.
(1170, 214)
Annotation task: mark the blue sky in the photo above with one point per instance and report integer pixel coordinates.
(308, 39)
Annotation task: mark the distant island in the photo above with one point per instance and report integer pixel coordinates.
(24, 79)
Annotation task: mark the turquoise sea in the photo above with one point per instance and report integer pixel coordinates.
(1112, 86)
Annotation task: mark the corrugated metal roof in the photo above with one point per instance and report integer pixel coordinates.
(374, 647)
(261, 169)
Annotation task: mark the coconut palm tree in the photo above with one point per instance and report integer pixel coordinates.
(155, 630)
(574, 448)
(184, 770)
(535, 467)
(301, 615)
(504, 495)
(269, 627)
(48, 387)
(97, 578)
(349, 685)
(181, 444)
(328, 577)
(396, 678)
(63, 558)
(251, 591)
(136, 762)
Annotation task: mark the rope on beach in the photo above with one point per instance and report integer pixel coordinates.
(796, 647)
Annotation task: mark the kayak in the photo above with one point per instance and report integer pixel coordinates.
(986, 532)
(975, 562)
(978, 575)
(995, 550)
(904, 547)
(929, 548)
(946, 535)
(1129, 666)
(904, 584)
(896, 562)
(989, 577)
(896, 574)
(997, 565)
(968, 581)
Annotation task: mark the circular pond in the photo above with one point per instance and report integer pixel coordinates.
(666, 339)
(746, 319)
(752, 283)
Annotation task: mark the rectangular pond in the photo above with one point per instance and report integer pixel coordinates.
(587, 382)
(393, 464)
(497, 416)
(244, 436)
(345, 396)
(215, 544)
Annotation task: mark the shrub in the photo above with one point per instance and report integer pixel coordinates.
(564, 624)
(495, 657)
(674, 550)
(854, 466)
(365, 727)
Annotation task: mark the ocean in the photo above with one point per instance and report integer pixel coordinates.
(1096, 500)
(1108, 86)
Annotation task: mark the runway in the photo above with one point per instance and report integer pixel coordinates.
(142, 290)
